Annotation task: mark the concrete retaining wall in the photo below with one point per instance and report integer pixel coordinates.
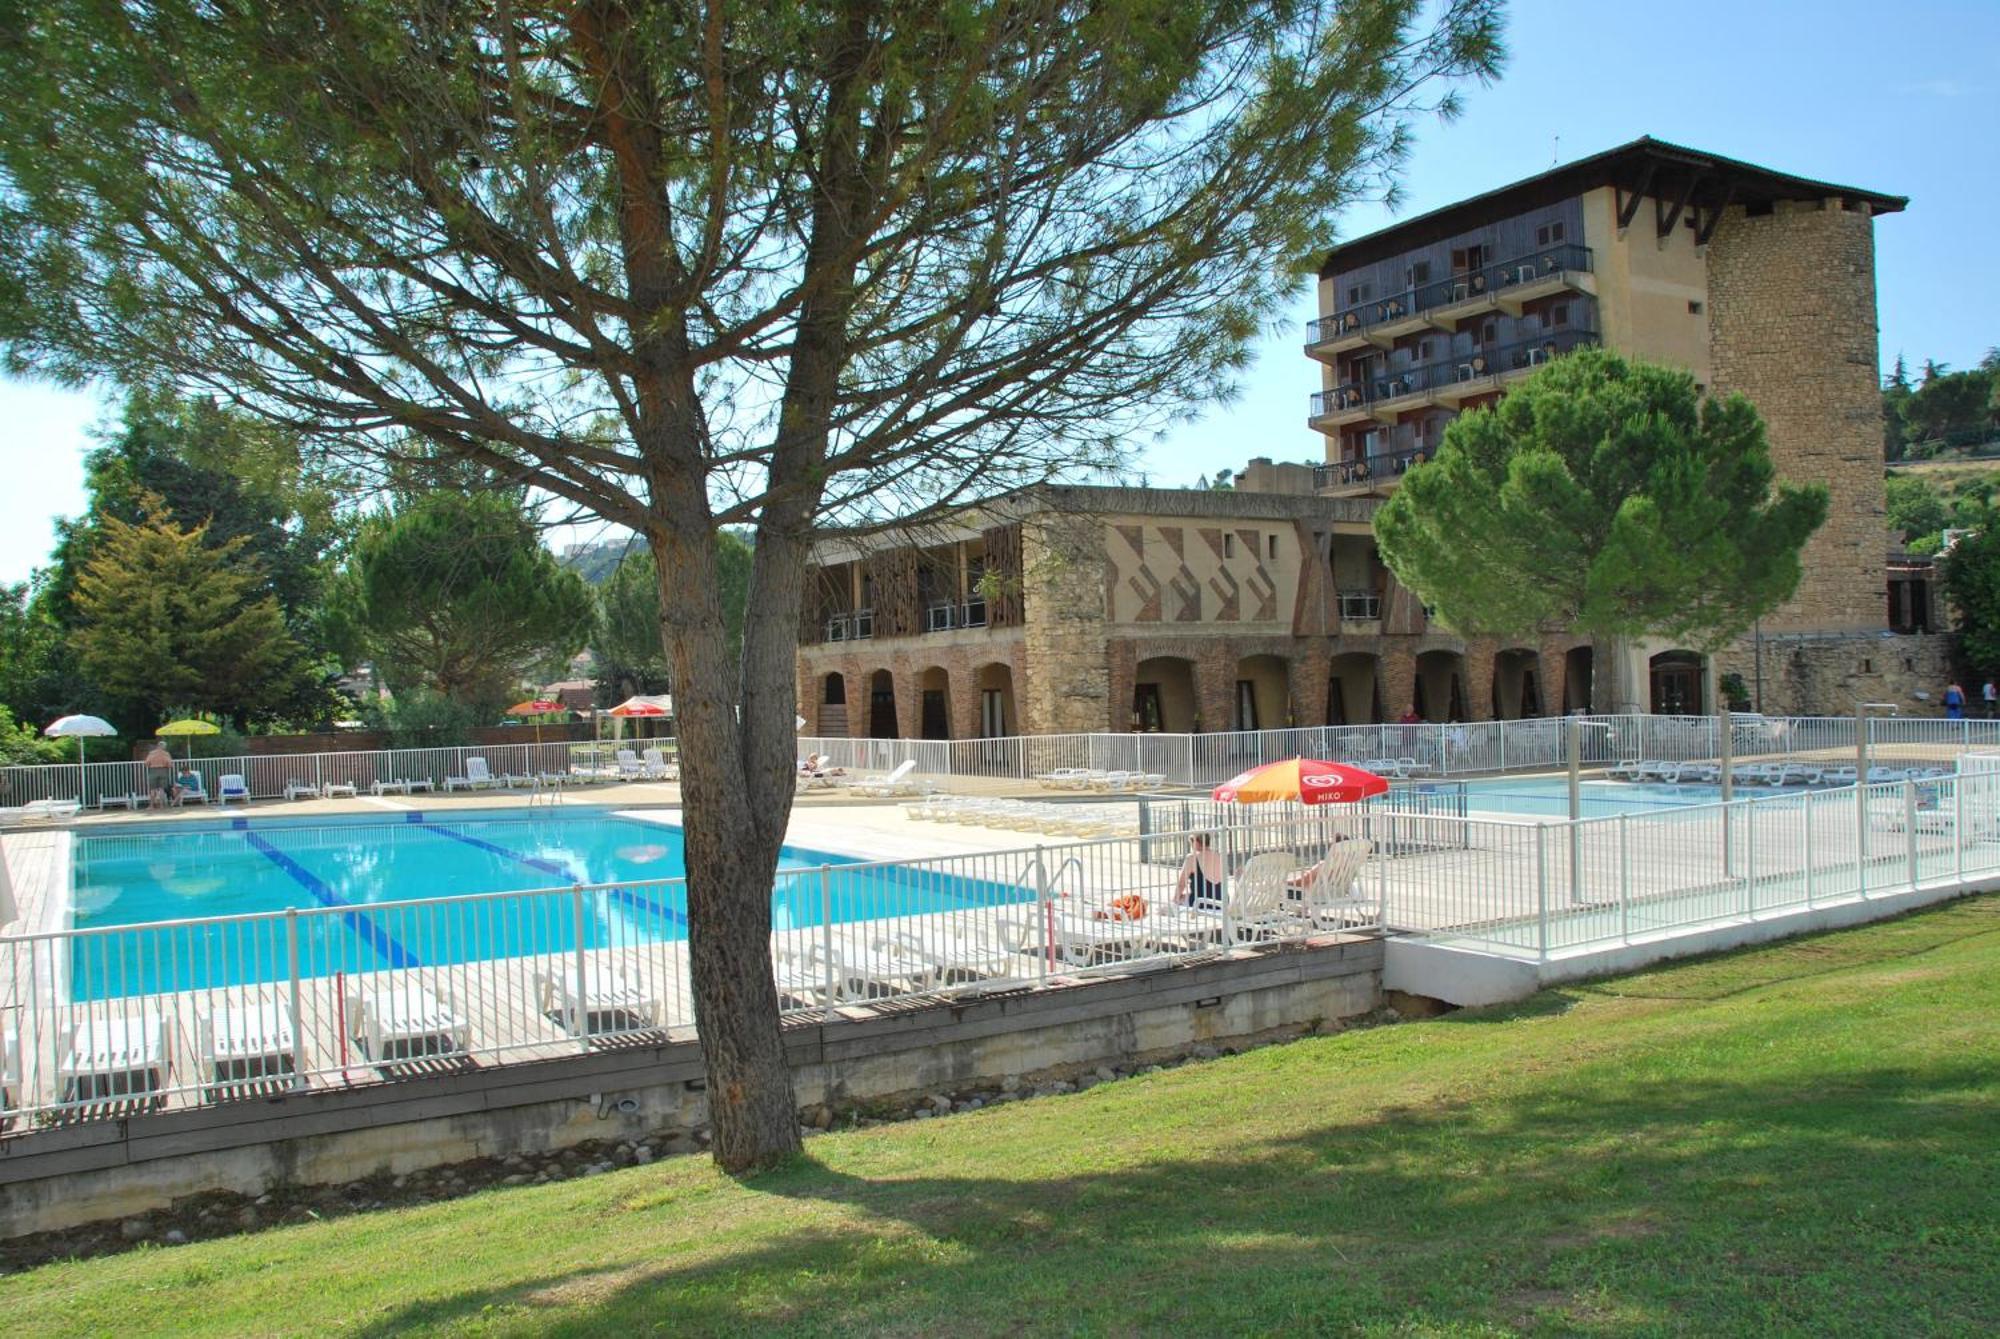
(65, 1175)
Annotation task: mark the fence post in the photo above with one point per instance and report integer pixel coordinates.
(1542, 890)
(1749, 855)
(581, 997)
(1958, 827)
(319, 772)
(1624, 879)
(1503, 747)
(831, 984)
(1044, 917)
(1811, 863)
(292, 973)
(1910, 827)
(1861, 836)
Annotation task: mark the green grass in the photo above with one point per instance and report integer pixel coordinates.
(1803, 1139)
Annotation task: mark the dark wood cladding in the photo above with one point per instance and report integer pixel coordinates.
(898, 610)
(1503, 239)
(1002, 548)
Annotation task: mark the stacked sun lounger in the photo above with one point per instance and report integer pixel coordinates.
(1067, 820)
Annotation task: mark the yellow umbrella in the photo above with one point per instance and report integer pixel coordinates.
(189, 727)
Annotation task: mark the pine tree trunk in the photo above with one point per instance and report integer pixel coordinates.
(736, 790)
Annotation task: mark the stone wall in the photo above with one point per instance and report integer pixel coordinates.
(1826, 674)
(1792, 327)
(961, 654)
(56, 1177)
(1065, 686)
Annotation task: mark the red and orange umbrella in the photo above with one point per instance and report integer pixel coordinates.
(1306, 780)
(538, 708)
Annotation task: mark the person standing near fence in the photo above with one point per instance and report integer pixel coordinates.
(1989, 693)
(1954, 703)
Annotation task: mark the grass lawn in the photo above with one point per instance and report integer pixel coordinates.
(1803, 1139)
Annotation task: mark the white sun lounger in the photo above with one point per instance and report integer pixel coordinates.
(629, 766)
(230, 786)
(301, 790)
(656, 767)
(1065, 778)
(113, 1057)
(1329, 900)
(897, 782)
(610, 1001)
(477, 777)
(1080, 938)
(256, 1041)
(335, 789)
(406, 1019)
(40, 811)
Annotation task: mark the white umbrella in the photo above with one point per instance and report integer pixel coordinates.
(80, 728)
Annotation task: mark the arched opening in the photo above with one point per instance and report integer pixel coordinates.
(1517, 686)
(1353, 690)
(1577, 669)
(1163, 695)
(1440, 686)
(832, 712)
(934, 703)
(882, 705)
(1678, 684)
(997, 715)
(1261, 694)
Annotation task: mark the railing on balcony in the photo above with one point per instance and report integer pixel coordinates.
(945, 615)
(1424, 378)
(1360, 604)
(1363, 469)
(850, 627)
(1493, 280)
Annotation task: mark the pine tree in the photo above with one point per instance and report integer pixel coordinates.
(164, 616)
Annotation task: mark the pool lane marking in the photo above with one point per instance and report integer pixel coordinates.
(617, 894)
(360, 922)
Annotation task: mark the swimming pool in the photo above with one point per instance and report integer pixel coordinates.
(1548, 796)
(347, 870)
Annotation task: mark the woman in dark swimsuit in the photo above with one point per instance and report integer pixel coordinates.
(1201, 875)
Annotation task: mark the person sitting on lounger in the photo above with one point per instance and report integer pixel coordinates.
(1201, 875)
(159, 777)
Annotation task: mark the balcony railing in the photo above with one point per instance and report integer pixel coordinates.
(945, 615)
(1466, 368)
(1489, 280)
(858, 626)
(1381, 465)
(1360, 604)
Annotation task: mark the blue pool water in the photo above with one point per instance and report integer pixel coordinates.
(138, 879)
(1548, 796)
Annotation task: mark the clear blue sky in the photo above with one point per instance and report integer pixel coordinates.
(1898, 98)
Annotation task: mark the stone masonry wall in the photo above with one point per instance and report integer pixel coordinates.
(1827, 674)
(1065, 686)
(1792, 327)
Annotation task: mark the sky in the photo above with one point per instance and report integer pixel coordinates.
(1895, 98)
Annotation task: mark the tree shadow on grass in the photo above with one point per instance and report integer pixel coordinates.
(1707, 1206)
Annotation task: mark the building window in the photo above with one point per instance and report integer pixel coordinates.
(1557, 315)
(1420, 273)
(1757, 209)
(835, 694)
(1423, 351)
(1464, 258)
(1271, 546)
(1359, 293)
(1694, 306)
(1228, 546)
(1548, 234)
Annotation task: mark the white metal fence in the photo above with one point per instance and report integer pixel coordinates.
(110, 1019)
(1454, 750)
(268, 775)
(104, 1019)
